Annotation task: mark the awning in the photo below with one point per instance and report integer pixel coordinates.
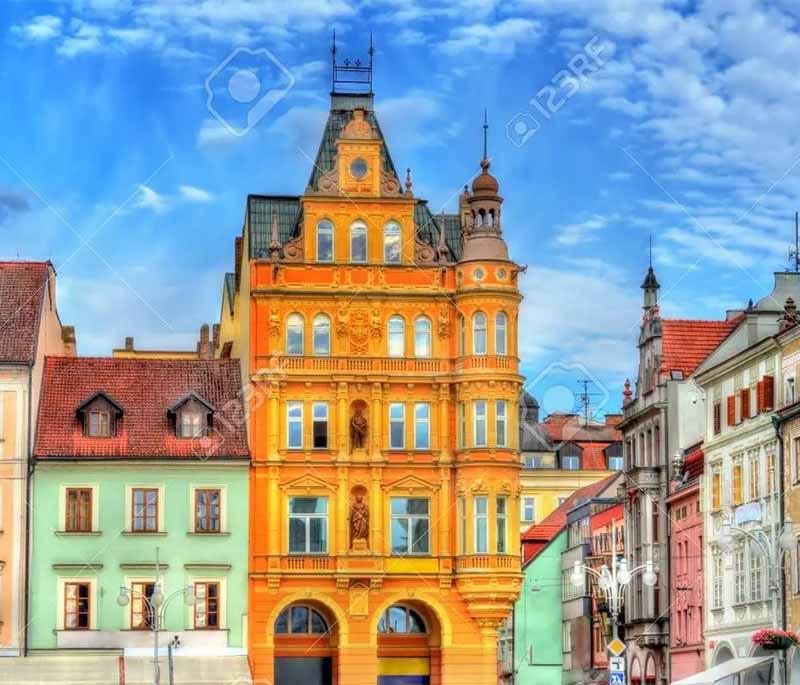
(724, 670)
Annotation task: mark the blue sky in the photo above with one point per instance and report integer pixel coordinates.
(676, 119)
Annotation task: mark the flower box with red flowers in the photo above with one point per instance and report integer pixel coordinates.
(771, 639)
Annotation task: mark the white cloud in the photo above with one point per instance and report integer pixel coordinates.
(621, 176)
(500, 39)
(194, 194)
(150, 199)
(84, 38)
(582, 231)
(621, 104)
(212, 133)
(42, 28)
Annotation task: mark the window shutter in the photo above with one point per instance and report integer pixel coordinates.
(769, 393)
(760, 396)
(717, 418)
(745, 394)
(732, 410)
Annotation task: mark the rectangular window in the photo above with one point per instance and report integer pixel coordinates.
(462, 425)
(206, 606)
(479, 423)
(462, 525)
(529, 509)
(319, 411)
(770, 472)
(716, 491)
(207, 507)
(571, 462)
(397, 426)
(615, 463)
(718, 580)
(481, 505)
(756, 576)
(77, 606)
(145, 510)
(796, 460)
(717, 418)
(99, 424)
(500, 422)
(737, 485)
(141, 615)
(410, 525)
(502, 504)
(740, 577)
(422, 426)
(308, 525)
(78, 510)
(191, 425)
(755, 478)
(294, 425)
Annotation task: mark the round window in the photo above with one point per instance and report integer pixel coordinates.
(501, 274)
(358, 168)
(478, 274)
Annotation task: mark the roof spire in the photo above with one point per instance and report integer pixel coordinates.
(485, 134)
(275, 243)
(651, 249)
(442, 248)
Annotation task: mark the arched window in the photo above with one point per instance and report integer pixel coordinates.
(399, 619)
(358, 242)
(322, 335)
(462, 336)
(300, 620)
(500, 320)
(294, 334)
(422, 337)
(324, 241)
(391, 243)
(397, 337)
(479, 333)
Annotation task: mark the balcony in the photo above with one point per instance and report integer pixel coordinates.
(366, 365)
(480, 563)
(480, 362)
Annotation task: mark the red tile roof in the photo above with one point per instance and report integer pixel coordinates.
(687, 342)
(145, 389)
(593, 458)
(571, 427)
(539, 535)
(22, 288)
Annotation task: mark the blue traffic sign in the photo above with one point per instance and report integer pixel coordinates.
(617, 678)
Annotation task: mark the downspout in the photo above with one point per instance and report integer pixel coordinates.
(29, 468)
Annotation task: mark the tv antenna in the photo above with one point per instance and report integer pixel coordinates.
(585, 399)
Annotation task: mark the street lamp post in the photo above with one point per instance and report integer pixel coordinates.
(157, 606)
(612, 581)
(772, 546)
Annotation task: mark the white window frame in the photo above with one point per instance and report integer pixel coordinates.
(401, 420)
(427, 332)
(501, 524)
(319, 232)
(482, 350)
(479, 418)
(501, 334)
(360, 227)
(481, 519)
(315, 419)
(393, 335)
(525, 505)
(306, 517)
(289, 327)
(320, 323)
(290, 405)
(390, 230)
(500, 419)
(423, 421)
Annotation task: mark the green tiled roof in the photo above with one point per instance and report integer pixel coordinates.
(230, 288)
(341, 113)
(259, 218)
(428, 227)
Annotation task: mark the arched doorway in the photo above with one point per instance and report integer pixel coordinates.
(636, 672)
(724, 654)
(650, 671)
(305, 646)
(409, 646)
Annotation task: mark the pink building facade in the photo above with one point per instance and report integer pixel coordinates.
(686, 565)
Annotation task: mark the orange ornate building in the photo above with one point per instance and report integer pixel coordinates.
(381, 346)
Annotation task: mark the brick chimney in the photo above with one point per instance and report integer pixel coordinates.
(129, 344)
(237, 261)
(68, 338)
(214, 338)
(204, 350)
(612, 420)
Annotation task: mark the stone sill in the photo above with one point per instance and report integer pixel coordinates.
(71, 533)
(224, 534)
(155, 534)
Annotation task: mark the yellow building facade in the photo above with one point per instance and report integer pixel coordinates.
(380, 343)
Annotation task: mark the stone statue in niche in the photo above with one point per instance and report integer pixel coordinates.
(358, 429)
(359, 522)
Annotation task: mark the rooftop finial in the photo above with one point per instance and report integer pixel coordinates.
(352, 76)
(485, 134)
(651, 250)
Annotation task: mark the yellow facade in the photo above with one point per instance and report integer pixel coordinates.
(462, 575)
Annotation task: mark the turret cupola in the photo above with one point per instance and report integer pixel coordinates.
(482, 232)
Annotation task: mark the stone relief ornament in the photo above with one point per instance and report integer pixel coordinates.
(376, 323)
(274, 324)
(359, 332)
(444, 323)
(423, 253)
(342, 323)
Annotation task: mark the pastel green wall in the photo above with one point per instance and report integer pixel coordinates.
(537, 618)
(112, 547)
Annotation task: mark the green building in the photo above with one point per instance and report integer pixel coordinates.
(139, 461)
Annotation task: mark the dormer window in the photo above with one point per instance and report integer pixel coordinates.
(99, 416)
(192, 415)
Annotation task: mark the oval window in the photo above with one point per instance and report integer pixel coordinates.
(358, 168)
